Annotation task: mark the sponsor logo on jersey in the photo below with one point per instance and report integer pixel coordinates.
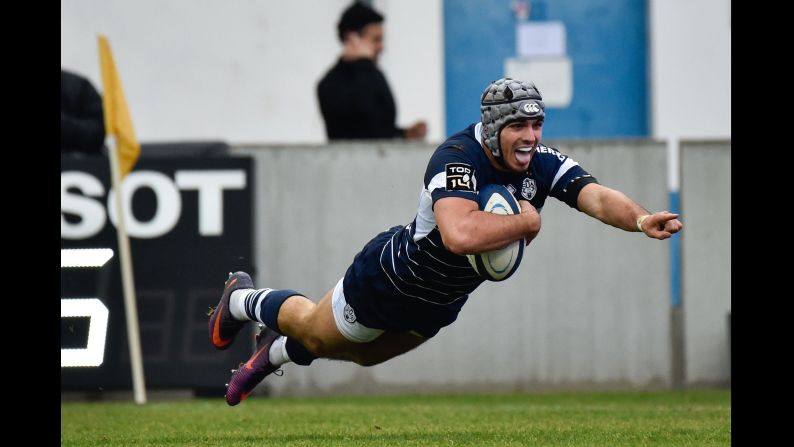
(529, 188)
(548, 150)
(511, 188)
(350, 315)
(459, 177)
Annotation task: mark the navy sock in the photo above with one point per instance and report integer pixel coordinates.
(269, 307)
(298, 353)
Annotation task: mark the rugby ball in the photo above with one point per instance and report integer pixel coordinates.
(500, 264)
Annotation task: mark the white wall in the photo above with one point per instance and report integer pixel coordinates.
(245, 71)
(690, 68)
(706, 258)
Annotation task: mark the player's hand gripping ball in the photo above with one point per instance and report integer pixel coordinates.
(499, 264)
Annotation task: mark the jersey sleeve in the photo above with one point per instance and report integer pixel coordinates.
(450, 173)
(569, 179)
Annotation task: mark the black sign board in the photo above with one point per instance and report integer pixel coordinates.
(189, 224)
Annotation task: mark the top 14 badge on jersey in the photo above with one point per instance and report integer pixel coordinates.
(459, 177)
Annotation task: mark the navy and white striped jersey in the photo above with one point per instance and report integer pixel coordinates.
(414, 259)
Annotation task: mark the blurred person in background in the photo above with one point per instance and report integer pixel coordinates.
(355, 99)
(82, 121)
(411, 281)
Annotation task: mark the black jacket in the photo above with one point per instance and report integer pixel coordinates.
(82, 122)
(356, 102)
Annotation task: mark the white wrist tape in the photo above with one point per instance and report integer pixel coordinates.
(640, 220)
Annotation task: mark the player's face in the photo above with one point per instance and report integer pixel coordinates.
(519, 140)
(372, 35)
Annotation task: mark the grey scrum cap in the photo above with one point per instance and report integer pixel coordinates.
(506, 100)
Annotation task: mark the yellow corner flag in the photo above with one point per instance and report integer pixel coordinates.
(117, 118)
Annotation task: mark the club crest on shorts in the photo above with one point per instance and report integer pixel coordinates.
(529, 188)
(350, 315)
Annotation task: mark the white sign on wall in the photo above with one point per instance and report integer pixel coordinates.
(553, 75)
(546, 38)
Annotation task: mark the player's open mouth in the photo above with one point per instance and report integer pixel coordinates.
(524, 154)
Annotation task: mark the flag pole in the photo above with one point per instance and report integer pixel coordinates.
(127, 280)
(119, 125)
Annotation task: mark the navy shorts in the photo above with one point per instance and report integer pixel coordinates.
(378, 305)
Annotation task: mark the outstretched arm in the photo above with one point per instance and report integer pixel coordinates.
(615, 208)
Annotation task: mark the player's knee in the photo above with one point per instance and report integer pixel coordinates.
(316, 345)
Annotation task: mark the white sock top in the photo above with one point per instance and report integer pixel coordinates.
(278, 352)
(237, 304)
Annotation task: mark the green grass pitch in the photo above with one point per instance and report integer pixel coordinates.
(658, 418)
